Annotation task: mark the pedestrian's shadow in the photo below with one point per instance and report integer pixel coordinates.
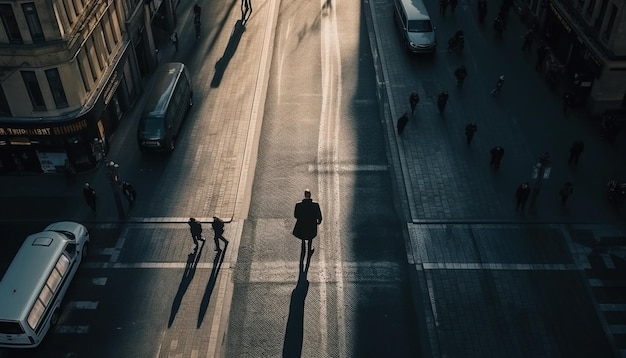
(206, 298)
(190, 271)
(294, 333)
(222, 63)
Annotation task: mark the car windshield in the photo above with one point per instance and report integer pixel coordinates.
(420, 26)
(152, 127)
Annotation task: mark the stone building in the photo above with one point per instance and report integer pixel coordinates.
(70, 70)
(588, 39)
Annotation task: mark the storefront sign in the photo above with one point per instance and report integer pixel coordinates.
(45, 131)
(560, 18)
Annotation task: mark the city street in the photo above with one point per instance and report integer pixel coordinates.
(421, 252)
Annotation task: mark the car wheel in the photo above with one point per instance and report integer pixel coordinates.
(172, 144)
(55, 317)
(84, 252)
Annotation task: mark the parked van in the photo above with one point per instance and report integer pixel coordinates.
(418, 33)
(33, 286)
(167, 105)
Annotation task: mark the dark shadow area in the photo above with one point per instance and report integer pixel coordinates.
(190, 271)
(222, 63)
(294, 332)
(206, 298)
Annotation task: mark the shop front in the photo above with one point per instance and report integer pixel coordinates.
(581, 65)
(43, 146)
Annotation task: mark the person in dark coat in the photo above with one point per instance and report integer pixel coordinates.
(196, 231)
(90, 197)
(414, 99)
(218, 230)
(497, 153)
(129, 193)
(574, 152)
(521, 195)
(566, 190)
(308, 216)
(402, 122)
(470, 129)
(442, 100)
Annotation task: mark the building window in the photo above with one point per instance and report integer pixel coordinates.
(56, 87)
(10, 24)
(79, 64)
(30, 80)
(5, 110)
(68, 13)
(609, 25)
(30, 12)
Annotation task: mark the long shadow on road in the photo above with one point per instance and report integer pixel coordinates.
(217, 264)
(190, 271)
(222, 63)
(294, 333)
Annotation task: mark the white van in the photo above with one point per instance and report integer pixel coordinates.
(418, 33)
(33, 286)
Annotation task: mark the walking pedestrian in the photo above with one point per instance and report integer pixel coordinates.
(453, 4)
(129, 193)
(308, 216)
(174, 39)
(470, 129)
(70, 172)
(218, 231)
(402, 122)
(521, 195)
(566, 190)
(499, 84)
(90, 197)
(197, 10)
(460, 74)
(542, 52)
(567, 98)
(528, 40)
(574, 152)
(414, 99)
(497, 153)
(442, 100)
(498, 26)
(196, 231)
(482, 11)
(443, 5)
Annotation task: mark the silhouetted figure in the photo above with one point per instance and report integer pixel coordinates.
(402, 122)
(470, 129)
(414, 99)
(129, 193)
(174, 39)
(442, 100)
(497, 153)
(218, 231)
(460, 74)
(90, 197)
(308, 216)
(196, 231)
(575, 151)
(521, 195)
(482, 11)
(528, 40)
(566, 190)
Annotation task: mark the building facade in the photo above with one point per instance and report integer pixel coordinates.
(69, 72)
(588, 37)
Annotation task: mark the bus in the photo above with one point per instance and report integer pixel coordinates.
(33, 286)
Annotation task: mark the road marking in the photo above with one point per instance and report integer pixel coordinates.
(71, 329)
(99, 281)
(612, 307)
(595, 282)
(286, 271)
(83, 305)
(333, 168)
(494, 266)
(147, 265)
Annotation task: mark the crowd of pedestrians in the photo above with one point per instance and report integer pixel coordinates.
(545, 64)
